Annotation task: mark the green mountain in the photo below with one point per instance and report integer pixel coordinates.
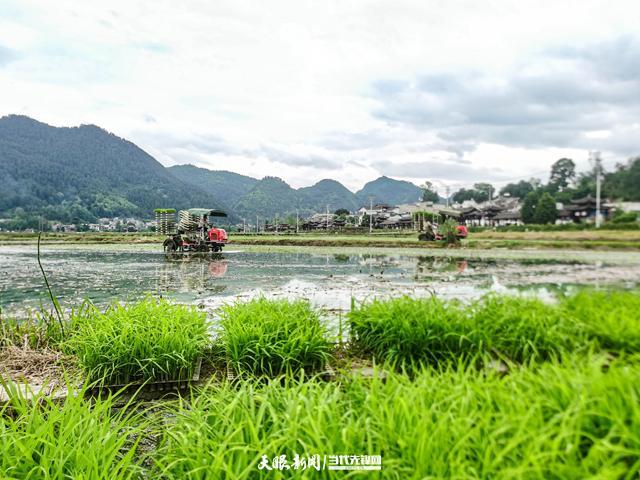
(327, 192)
(80, 173)
(247, 197)
(269, 196)
(229, 187)
(389, 191)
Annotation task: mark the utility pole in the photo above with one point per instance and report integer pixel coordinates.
(257, 226)
(327, 217)
(370, 215)
(277, 223)
(244, 226)
(594, 157)
(297, 222)
(447, 189)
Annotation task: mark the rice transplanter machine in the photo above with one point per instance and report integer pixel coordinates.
(193, 232)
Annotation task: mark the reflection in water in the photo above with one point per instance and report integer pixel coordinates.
(431, 267)
(191, 273)
(103, 274)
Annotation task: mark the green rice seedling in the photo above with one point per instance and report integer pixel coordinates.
(405, 330)
(271, 337)
(522, 329)
(554, 420)
(74, 438)
(610, 318)
(148, 340)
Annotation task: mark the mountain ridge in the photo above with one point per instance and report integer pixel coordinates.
(77, 174)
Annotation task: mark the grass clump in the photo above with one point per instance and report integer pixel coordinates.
(148, 340)
(407, 330)
(272, 337)
(523, 329)
(75, 438)
(612, 319)
(553, 420)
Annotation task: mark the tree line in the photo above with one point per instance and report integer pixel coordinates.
(564, 184)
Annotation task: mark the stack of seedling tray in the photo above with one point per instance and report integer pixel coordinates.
(165, 221)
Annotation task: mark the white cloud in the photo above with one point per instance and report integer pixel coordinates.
(264, 88)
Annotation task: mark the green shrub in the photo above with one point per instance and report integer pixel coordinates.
(148, 340)
(610, 318)
(272, 337)
(625, 217)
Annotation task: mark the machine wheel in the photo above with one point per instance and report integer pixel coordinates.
(426, 237)
(169, 245)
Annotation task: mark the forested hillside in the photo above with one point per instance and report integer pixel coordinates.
(228, 187)
(81, 173)
(390, 191)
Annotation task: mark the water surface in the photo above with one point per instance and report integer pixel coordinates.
(104, 273)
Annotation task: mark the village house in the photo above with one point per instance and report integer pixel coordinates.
(503, 210)
(584, 210)
(378, 214)
(323, 221)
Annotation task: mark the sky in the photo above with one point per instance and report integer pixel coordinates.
(449, 91)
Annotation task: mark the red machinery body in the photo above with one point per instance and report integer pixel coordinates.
(218, 235)
(431, 232)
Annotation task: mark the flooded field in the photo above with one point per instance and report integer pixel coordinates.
(329, 279)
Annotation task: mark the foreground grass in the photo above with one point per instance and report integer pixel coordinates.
(148, 340)
(407, 330)
(264, 337)
(44, 439)
(575, 419)
(555, 421)
(560, 410)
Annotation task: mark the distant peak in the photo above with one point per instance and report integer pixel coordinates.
(273, 179)
(14, 117)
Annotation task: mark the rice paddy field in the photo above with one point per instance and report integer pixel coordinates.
(269, 362)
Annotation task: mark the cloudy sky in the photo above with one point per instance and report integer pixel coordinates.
(446, 90)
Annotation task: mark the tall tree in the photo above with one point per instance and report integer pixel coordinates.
(481, 192)
(563, 174)
(518, 190)
(624, 183)
(429, 193)
(529, 206)
(546, 211)
(485, 190)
